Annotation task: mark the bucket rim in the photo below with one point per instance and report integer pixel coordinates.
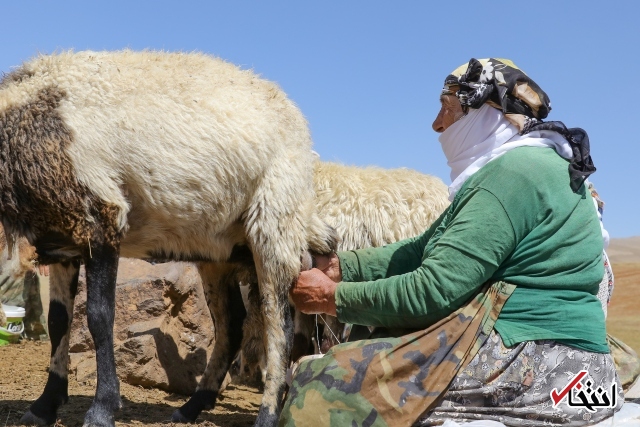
(13, 311)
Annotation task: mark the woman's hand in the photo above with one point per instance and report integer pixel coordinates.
(314, 293)
(315, 290)
(329, 265)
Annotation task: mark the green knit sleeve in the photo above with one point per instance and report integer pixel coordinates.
(478, 238)
(385, 261)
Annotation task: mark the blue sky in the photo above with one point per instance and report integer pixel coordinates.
(367, 74)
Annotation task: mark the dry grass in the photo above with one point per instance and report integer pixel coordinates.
(623, 319)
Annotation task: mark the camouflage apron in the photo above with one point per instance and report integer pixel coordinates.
(392, 381)
(626, 361)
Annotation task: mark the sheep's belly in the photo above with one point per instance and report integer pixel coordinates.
(177, 241)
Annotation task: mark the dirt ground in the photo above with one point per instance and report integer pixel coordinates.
(23, 374)
(623, 318)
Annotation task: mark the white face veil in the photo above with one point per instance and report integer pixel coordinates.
(501, 84)
(483, 135)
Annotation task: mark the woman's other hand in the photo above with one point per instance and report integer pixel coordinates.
(329, 265)
(314, 292)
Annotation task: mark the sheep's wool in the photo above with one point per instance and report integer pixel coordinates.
(200, 145)
(160, 155)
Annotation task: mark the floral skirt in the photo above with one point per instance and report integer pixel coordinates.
(514, 385)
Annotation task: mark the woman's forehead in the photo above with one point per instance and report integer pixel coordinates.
(449, 98)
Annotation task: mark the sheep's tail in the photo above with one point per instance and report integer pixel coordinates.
(322, 238)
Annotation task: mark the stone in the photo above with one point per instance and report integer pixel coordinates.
(84, 366)
(634, 392)
(163, 333)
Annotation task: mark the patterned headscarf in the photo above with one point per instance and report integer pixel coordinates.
(502, 85)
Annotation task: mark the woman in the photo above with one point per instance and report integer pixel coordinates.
(522, 229)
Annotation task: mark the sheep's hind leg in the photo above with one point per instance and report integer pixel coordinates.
(304, 329)
(253, 357)
(102, 269)
(277, 259)
(63, 285)
(228, 313)
(278, 338)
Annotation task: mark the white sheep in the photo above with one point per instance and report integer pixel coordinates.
(373, 206)
(368, 207)
(155, 155)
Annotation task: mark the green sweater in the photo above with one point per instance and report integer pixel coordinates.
(514, 220)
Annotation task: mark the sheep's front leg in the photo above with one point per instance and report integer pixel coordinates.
(101, 269)
(63, 283)
(228, 313)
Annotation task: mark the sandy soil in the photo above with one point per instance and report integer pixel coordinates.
(624, 250)
(623, 318)
(23, 374)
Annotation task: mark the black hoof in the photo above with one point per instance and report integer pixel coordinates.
(29, 419)
(201, 399)
(177, 417)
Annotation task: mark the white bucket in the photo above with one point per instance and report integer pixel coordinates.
(15, 325)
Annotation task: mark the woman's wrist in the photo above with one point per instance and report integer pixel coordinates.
(331, 307)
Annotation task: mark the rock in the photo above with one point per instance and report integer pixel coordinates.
(84, 366)
(163, 333)
(634, 392)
